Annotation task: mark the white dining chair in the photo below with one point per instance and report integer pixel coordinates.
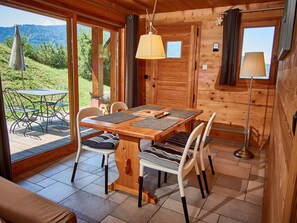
(181, 139)
(115, 107)
(118, 106)
(104, 144)
(174, 160)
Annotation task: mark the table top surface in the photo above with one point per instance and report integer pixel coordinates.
(132, 129)
(42, 92)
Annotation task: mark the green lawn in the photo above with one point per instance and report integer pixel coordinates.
(40, 76)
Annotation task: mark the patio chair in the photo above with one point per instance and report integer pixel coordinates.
(181, 138)
(104, 144)
(57, 106)
(22, 110)
(178, 161)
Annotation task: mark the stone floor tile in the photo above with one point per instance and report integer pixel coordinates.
(32, 177)
(165, 215)
(80, 220)
(255, 188)
(231, 182)
(228, 192)
(46, 182)
(178, 207)
(231, 170)
(233, 208)
(51, 170)
(192, 194)
(30, 186)
(207, 216)
(224, 219)
(254, 199)
(57, 192)
(89, 207)
(81, 180)
(129, 211)
(118, 197)
(97, 190)
(258, 170)
(111, 219)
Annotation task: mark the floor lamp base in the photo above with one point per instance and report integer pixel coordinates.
(243, 154)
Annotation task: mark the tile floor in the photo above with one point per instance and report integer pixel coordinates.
(236, 190)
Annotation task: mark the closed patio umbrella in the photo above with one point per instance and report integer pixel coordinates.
(16, 60)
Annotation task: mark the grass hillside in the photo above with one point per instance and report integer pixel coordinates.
(38, 75)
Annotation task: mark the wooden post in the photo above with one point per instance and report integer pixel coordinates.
(97, 64)
(113, 67)
(72, 73)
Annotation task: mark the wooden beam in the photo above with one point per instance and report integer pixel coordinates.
(86, 10)
(113, 67)
(72, 74)
(97, 62)
(122, 64)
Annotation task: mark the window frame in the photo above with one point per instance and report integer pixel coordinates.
(274, 62)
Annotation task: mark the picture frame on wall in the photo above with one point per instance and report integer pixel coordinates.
(287, 27)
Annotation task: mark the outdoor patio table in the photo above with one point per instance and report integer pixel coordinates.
(43, 95)
(131, 131)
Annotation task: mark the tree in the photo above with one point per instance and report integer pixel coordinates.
(85, 54)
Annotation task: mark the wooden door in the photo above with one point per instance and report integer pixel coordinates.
(174, 78)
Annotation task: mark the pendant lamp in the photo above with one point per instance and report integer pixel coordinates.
(150, 45)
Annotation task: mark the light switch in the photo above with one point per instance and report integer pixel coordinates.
(204, 67)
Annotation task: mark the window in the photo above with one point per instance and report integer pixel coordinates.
(173, 49)
(260, 36)
(259, 39)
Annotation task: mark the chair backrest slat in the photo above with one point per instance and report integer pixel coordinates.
(195, 135)
(84, 113)
(117, 106)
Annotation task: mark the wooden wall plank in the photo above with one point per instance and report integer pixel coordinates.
(230, 102)
(281, 190)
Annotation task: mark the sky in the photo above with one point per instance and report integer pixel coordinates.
(10, 17)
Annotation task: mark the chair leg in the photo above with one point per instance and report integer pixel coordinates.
(185, 209)
(159, 178)
(103, 159)
(106, 179)
(200, 185)
(165, 177)
(74, 171)
(140, 191)
(205, 181)
(211, 166)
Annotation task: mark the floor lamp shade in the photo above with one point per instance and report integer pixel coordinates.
(150, 46)
(253, 65)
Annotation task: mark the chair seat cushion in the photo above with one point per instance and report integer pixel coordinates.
(103, 141)
(164, 155)
(181, 138)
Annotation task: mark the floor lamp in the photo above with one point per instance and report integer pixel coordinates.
(253, 66)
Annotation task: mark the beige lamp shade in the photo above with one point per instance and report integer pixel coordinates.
(253, 65)
(150, 46)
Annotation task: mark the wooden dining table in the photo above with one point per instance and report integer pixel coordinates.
(131, 128)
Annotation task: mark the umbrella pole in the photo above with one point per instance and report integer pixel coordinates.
(23, 80)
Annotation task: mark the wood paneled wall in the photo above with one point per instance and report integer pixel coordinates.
(231, 103)
(282, 164)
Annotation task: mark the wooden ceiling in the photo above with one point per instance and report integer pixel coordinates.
(112, 13)
(140, 6)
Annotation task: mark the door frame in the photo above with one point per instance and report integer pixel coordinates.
(195, 42)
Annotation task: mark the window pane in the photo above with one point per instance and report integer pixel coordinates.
(259, 39)
(173, 49)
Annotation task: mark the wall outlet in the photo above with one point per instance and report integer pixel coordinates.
(204, 67)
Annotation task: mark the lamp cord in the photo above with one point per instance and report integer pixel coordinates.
(151, 19)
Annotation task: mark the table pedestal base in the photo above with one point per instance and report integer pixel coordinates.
(127, 163)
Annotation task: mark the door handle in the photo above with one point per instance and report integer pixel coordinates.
(294, 123)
